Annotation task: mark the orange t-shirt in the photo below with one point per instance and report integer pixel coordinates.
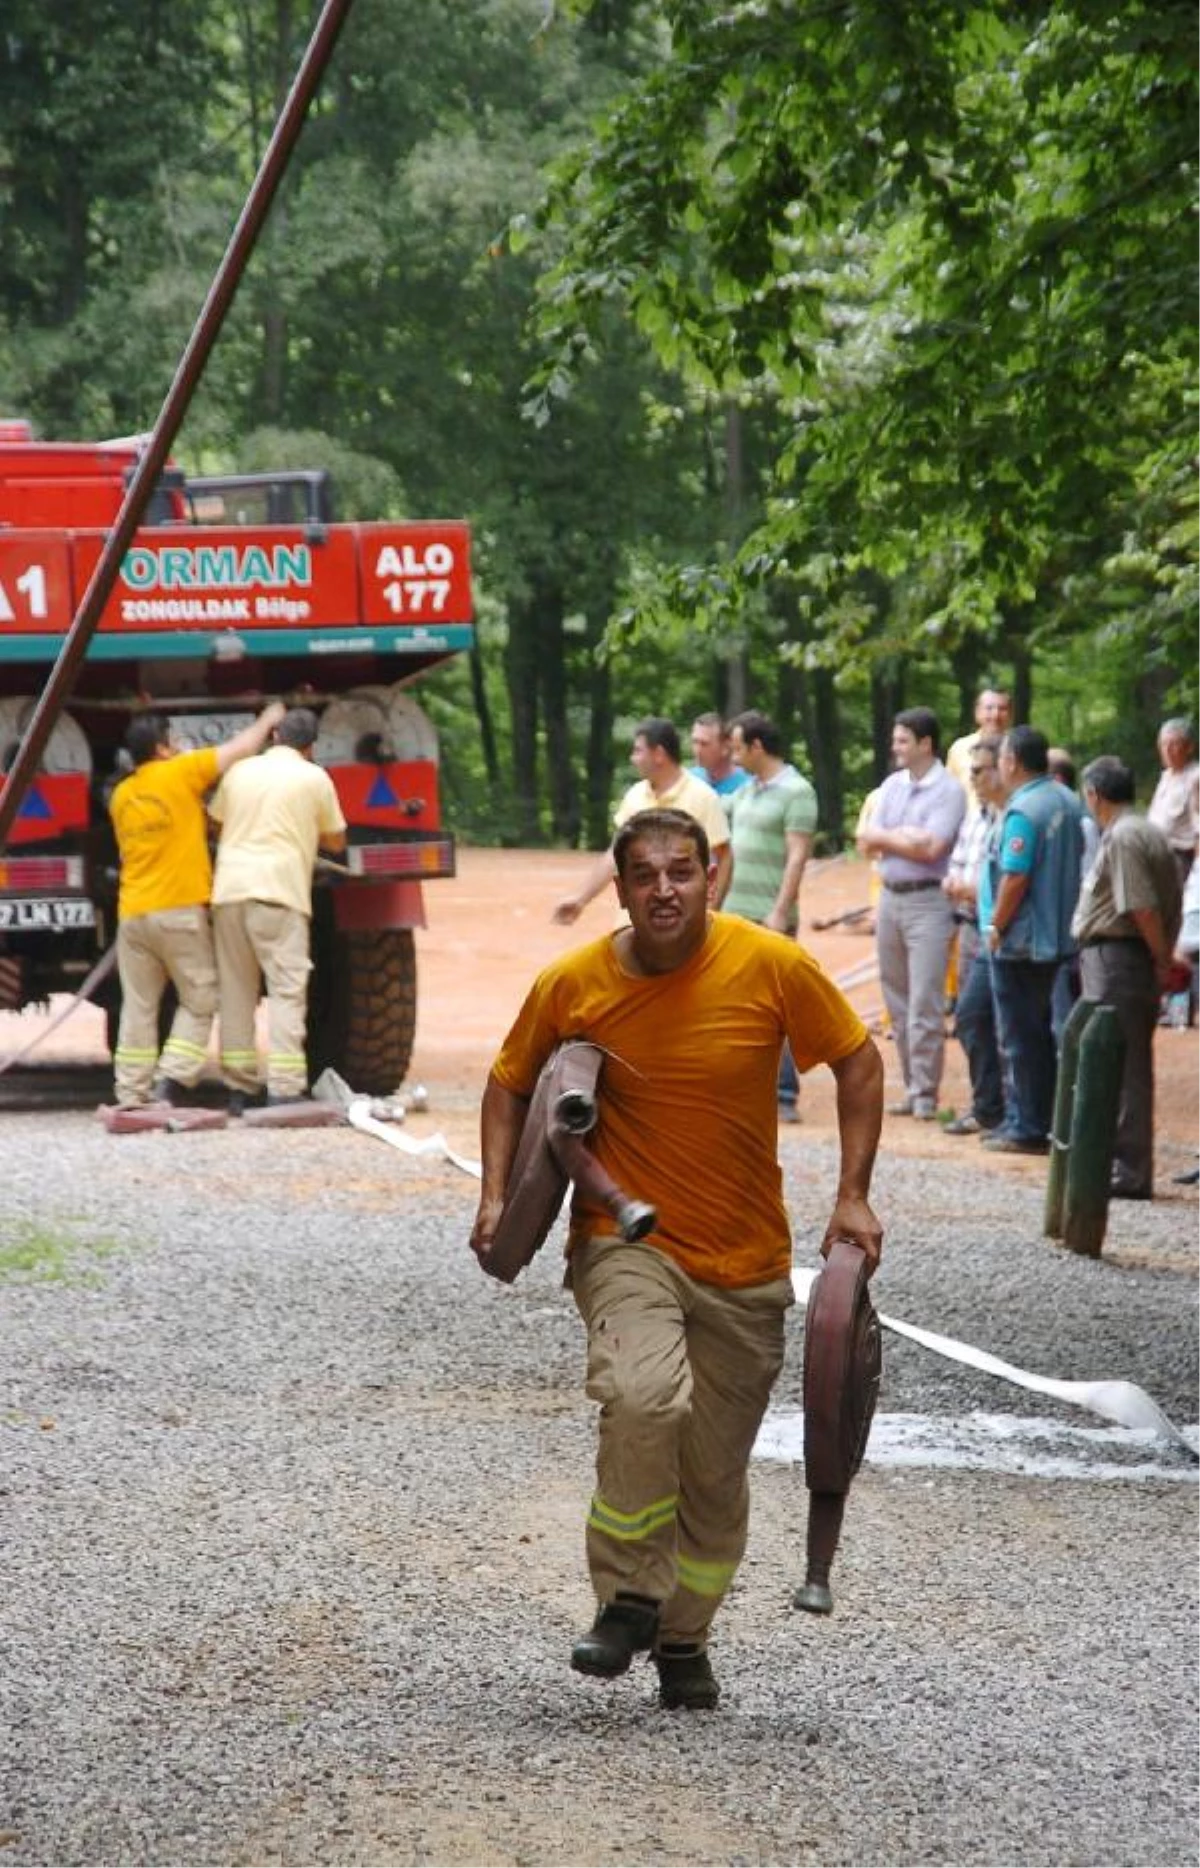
(162, 833)
(688, 1090)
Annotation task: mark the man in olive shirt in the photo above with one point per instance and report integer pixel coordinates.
(1126, 924)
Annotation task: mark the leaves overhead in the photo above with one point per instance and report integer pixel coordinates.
(951, 248)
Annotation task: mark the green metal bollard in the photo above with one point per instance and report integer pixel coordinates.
(1064, 1103)
(1093, 1133)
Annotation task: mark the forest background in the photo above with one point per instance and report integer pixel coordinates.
(825, 356)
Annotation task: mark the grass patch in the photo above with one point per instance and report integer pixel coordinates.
(40, 1254)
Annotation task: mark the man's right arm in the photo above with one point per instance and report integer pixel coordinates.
(502, 1121)
(251, 739)
(572, 906)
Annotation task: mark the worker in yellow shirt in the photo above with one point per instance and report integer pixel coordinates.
(163, 928)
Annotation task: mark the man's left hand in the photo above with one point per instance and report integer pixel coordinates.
(854, 1220)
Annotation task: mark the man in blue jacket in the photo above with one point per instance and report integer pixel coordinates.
(1030, 887)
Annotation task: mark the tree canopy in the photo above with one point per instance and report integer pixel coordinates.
(951, 250)
(817, 355)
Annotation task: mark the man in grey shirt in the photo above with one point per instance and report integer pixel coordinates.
(912, 832)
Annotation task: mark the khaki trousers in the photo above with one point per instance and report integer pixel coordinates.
(259, 941)
(683, 1373)
(175, 944)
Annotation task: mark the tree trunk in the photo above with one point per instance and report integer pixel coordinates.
(821, 725)
(483, 713)
(966, 661)
(887, 700)
(599, 769)
(807, 708)
(736, 686)
(521, 679)
(1015, 622)
(565, 816)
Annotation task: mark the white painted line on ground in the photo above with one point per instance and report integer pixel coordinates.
(1032, 1446)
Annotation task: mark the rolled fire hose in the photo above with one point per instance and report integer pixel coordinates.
(553, 1152)
(842, 1363)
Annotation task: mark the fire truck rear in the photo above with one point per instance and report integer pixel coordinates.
(234, 591)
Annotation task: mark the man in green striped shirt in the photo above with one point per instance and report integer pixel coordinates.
(772, 821)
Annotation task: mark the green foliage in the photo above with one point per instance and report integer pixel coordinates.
(972, 314)
(773, 348)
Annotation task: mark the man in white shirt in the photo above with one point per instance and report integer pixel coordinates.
(912, 830)
(662, 784)
(274, 813)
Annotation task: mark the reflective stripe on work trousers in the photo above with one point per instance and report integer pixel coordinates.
(705, 1579)
(632, 1526)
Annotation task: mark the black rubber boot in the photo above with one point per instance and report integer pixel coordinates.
(623, 1628)
(685, 1679)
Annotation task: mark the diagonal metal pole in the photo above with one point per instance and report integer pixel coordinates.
(191, 366)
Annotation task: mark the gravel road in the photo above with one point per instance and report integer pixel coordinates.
(292, 1507)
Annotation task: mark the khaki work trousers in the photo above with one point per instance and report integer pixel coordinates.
(683, 1373)
(176, 945)
(259, 941)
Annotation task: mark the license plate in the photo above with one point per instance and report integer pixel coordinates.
(53, 914)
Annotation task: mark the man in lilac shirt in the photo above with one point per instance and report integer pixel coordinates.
(912, 832)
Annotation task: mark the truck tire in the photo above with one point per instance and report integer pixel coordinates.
(363, 1015)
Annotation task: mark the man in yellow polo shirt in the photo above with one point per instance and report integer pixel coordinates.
(163, 929)
(274, 815)
(661, 784)
(686, 1327)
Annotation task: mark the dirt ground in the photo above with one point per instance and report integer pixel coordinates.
(490, 930)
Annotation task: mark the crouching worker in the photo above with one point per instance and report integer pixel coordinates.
(685, 1328)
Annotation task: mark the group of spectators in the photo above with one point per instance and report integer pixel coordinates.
(1038, 893)
(998, 878)
(216, 936)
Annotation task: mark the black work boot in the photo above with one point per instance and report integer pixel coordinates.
(685, 1678)
(166, 1090)
(623, 1628)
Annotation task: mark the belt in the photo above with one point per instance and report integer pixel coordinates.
(1113, 940)
(910, 888)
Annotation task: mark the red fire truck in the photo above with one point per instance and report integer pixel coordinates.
(234, 591)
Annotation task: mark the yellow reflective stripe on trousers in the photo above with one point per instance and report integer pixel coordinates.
(283, 1059)
(239, 1057)
(126, 1054)
(705, 1579)
(183, 1047)
(630, 1526)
